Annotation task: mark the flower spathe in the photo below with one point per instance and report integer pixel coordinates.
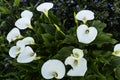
(28, 41)
(85, 15)
(26, 56)
(27, 13)
(86, 34)
(78, 63)
(13, 35)
(117, 50)
(53, 69)
(16, 50)
(77, 53)
(45, 7)
(79, 66)
(23, 23)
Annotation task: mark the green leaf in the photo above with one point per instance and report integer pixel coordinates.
(99, 25)
(49, 28)
(53, 18)
(104, 38)
(117, 73)
(48, 39)
(4, 10)
(63, 53)
(115, 61)
(59, 35)
(16, 2)
(70, 39)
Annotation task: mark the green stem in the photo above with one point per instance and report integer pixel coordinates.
(56, 26)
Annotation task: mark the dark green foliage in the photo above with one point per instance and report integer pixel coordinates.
(52, 44)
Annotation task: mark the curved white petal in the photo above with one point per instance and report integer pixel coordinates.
(116, 53)
(26, 56)
(117, 47)
(23, 23)
(77, 53)
(116, 50)
(28, 41)
(13, 35)
(44, 7)
(20, 43)
(85, 15)
(15, 50)
(51, 67)
(86, 35)
(70, 61)
(27, 13)
(80, 69)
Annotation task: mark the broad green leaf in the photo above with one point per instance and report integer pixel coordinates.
(4, 10)
(70, 39)
(115, 61)
(104, 38)
(117, 73)
(59, 35)
(16, 2)
(99, 25)
(54, 18)
(48, 39)
(49, 28)
(63, 53)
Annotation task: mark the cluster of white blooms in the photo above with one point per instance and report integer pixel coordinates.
(86, 34)
(77, 62)
(54, 68)
(22, 51)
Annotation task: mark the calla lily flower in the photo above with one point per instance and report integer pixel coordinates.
(53, 69)
(28, 41)
(77, 62)
(86, 35)
(27, 13)
(15, 50)
(45, 7)
(116, 50)
(79, 66)
(85, 15)
(13, 35)
(23, 23)
(77, 53)
(26, 56)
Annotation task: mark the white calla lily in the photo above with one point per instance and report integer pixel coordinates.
(117, 47)
(45, 7)
(19, 43)
(23, 23)
(15, 50)
(79, 67)
(53, 69)
(13, 35)
(27, 13)
(116, 50)
(71, 61)
(77, 62)
(77, 53)
(86, 35)
(28, 41)
(85, 15)
(26, 56)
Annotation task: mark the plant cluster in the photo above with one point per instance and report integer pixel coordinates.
(40, 47)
